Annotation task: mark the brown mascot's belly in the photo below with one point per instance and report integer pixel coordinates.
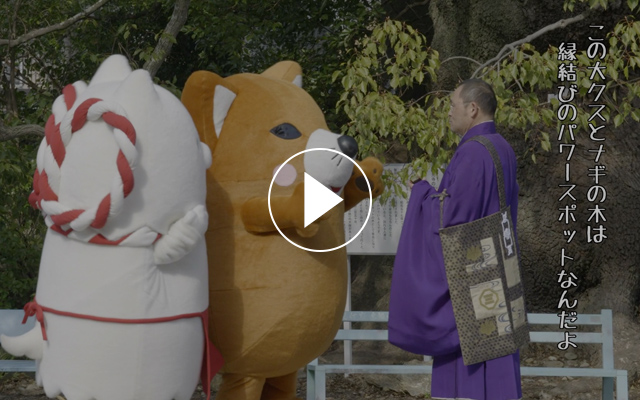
(273, 306)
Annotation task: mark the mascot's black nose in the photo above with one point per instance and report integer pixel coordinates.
(348, 146)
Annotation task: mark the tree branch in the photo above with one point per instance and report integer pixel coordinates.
(12, 132)
(52, 28)
(163, 48)
(507, 49)
(25, 80)
(461, 58)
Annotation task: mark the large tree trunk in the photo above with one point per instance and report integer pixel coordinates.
(475, 29)
(608, 273)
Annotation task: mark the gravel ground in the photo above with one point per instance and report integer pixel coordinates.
(23, 387)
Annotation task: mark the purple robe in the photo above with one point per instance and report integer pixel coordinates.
(421, 316)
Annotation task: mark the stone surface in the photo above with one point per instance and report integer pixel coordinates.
(553, 364)
(415, 385)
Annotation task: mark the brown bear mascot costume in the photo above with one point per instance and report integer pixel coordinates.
(273, 306)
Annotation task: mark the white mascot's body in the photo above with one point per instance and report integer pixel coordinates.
(122, 288)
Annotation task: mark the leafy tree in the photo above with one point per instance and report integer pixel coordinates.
(231, 37)
(21, 228)
(48, 44)
(391, 90)
(397, 114)
(384, 114)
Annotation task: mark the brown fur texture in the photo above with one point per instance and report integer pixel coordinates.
(273, 306)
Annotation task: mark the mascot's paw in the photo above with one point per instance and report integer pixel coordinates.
(296, 207)
(183, 235)
(29, 345)
(356, 189)
(309, 231)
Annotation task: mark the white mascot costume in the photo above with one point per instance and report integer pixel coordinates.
(122, 298)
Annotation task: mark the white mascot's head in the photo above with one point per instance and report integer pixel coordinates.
(122, 164)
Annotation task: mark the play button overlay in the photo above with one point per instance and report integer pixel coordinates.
(318, 200)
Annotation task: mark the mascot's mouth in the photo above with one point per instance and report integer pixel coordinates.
(335, 189)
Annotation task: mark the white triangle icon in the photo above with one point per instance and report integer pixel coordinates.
(317, 199)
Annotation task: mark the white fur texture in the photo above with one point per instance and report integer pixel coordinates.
(85, 359)
(28, 345)
(182, 236)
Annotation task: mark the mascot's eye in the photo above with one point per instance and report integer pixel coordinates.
(286, 131)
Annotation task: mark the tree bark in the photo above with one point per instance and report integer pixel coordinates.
(508, 48)
(413, 12)
(163, 48)
(608, 273)
(475, 29)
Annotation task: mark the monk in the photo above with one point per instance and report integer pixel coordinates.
(421, 318)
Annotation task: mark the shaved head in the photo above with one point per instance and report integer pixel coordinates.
(481, 93)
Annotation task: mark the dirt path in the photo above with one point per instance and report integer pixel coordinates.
(23, 387)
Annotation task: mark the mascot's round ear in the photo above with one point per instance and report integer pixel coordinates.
(289, 71)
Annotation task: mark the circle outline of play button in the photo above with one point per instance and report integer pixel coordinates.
(354, 236)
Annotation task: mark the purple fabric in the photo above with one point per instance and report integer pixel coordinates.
(497, 379)
(421, 316)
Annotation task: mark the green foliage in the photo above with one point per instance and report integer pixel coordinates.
(569, 5)
(384, 90)
(21, 227)
(393, 58)
(385, 65)
(232, 36)
(522, 81)
(227, 37)
(44, 66)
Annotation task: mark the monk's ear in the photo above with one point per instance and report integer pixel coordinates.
(289, 71)
(208, 97)
(475, 110)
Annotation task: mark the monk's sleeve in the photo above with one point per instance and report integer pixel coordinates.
(421, 316)
(473, 188)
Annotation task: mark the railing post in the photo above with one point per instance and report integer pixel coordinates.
(348, 354)
(607, 352)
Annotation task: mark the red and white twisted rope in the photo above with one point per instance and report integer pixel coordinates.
(77, 223)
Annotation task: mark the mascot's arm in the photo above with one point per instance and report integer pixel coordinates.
(356, 189)
(288, 211)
